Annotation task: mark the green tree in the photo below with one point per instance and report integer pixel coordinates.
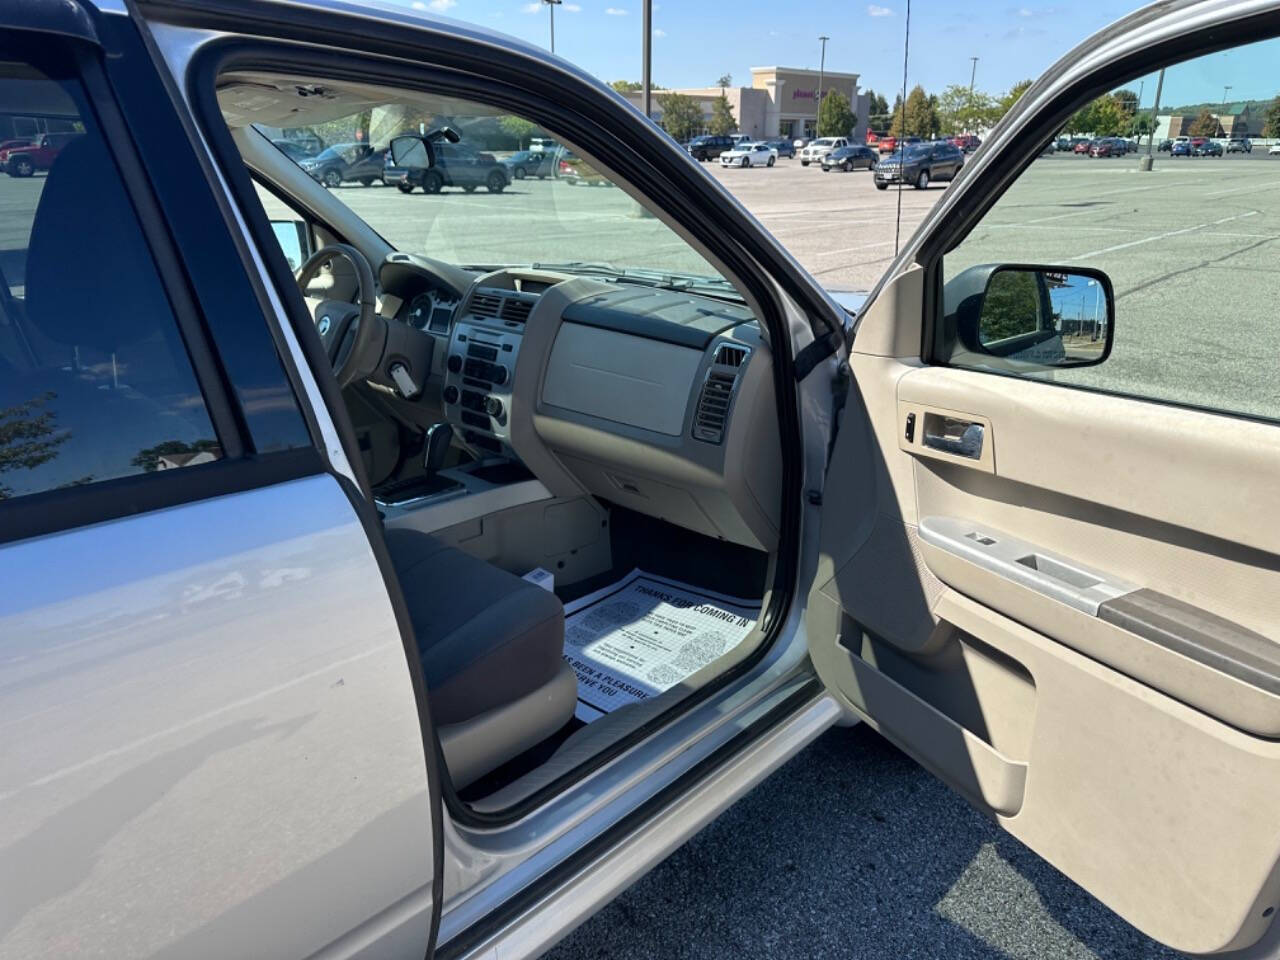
(1271, 119)
(28, 437)
(627, 86)
(722, 122)
(1013, 96)
(835, 115)
(1204, 125)
(1011, 306)
(517, 127)
(725, 81)
(963, 111)
(918, 118)
(681, 116)
(1127, 101)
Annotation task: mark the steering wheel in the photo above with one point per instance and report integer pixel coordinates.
(338, 320)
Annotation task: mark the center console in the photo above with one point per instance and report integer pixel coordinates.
(480, 367)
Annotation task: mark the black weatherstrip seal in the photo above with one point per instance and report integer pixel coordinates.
(599, 847)
(580, 113)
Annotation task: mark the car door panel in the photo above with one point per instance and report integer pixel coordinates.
(211, 737)
(1102, 676)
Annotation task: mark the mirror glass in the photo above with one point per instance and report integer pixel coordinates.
(410, 152)
(1047, 316)
(290, 234)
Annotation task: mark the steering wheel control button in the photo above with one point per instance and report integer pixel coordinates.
(450, 394)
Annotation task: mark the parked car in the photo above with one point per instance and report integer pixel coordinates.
(851, 157)
(782, 147)
(1197, 143)
(919, 165)
(418, 603)
(296, 150)
(1181, 148)
(1239, 145)
(887, 144)
(575, 171)
(346, 162)
(530, 163)
(1084, 147)
(817, 149)
(749, 153)
(456, 165)
(708, 147)
(1109, 147)
(801, 142)
(1209, 148)
(23, 160)
(1273, 150)
(1165, 146)
(967, 142)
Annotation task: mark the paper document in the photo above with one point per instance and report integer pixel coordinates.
(643, 635)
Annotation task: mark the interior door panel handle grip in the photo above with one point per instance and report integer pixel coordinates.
(955, 437)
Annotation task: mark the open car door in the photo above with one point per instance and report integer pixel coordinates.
(1059, 589)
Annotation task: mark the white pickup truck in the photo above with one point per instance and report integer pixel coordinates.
(817, 149)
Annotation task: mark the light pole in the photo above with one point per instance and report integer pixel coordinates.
(822, 66)
(973, 75)
(1137, 107)
(1146, 162)
(1223, 109)
(552, 4)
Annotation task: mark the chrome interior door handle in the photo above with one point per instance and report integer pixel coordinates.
(963, 438)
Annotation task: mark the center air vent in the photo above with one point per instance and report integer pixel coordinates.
(486, 305)
(712, 416)
(517, 311)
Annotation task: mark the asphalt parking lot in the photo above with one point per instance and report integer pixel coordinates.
(852, 851)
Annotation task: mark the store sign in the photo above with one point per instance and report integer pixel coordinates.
(807, 94)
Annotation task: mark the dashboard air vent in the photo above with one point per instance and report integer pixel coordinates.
(515, 310)
(717, 393)
(486, 305)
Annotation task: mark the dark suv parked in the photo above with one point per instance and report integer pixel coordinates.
(918, 164)
(456, 165)
(345, 161)
(708, 147)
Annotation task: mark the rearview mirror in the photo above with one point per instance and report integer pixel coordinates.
(1021, 317)
(412, 152)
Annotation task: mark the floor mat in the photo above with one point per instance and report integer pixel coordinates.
(644, 634)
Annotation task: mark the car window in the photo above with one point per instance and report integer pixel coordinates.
(470, 209)
(95, 382)
(1189, 246)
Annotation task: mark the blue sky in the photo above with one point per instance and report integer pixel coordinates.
(697, 40)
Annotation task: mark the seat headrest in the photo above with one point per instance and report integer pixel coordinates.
(90, 279)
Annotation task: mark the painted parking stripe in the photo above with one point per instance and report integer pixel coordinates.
(1160, 236)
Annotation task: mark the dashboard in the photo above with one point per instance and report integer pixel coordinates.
(657, 399)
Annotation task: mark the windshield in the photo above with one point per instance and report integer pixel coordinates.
(824, 142)
(483, 204)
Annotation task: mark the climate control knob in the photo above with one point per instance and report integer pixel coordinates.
(493, 407)
(499, 374)
(455, 363)
(450, 394)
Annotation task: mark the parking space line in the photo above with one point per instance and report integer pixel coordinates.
(1248, 189)
(1161, 236)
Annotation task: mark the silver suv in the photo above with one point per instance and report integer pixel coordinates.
(387, 574)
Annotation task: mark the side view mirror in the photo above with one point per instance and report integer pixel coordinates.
(294, 239)
(413, 152)
(1020, 317)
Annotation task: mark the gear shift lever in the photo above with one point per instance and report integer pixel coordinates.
(439, 438)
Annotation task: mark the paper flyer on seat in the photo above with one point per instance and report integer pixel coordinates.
(643, 635)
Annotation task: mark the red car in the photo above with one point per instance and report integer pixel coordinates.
(888, 144)
(23, 161)
(966, 142)
(1084, 146)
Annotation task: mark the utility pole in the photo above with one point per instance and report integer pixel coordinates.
(1146, 162)
(973, 75)
(552, 4)
(1137, 107)
(822, 66)
(1223, 109)
(647, 56)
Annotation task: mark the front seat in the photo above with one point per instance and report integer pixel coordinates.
(492, 650)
